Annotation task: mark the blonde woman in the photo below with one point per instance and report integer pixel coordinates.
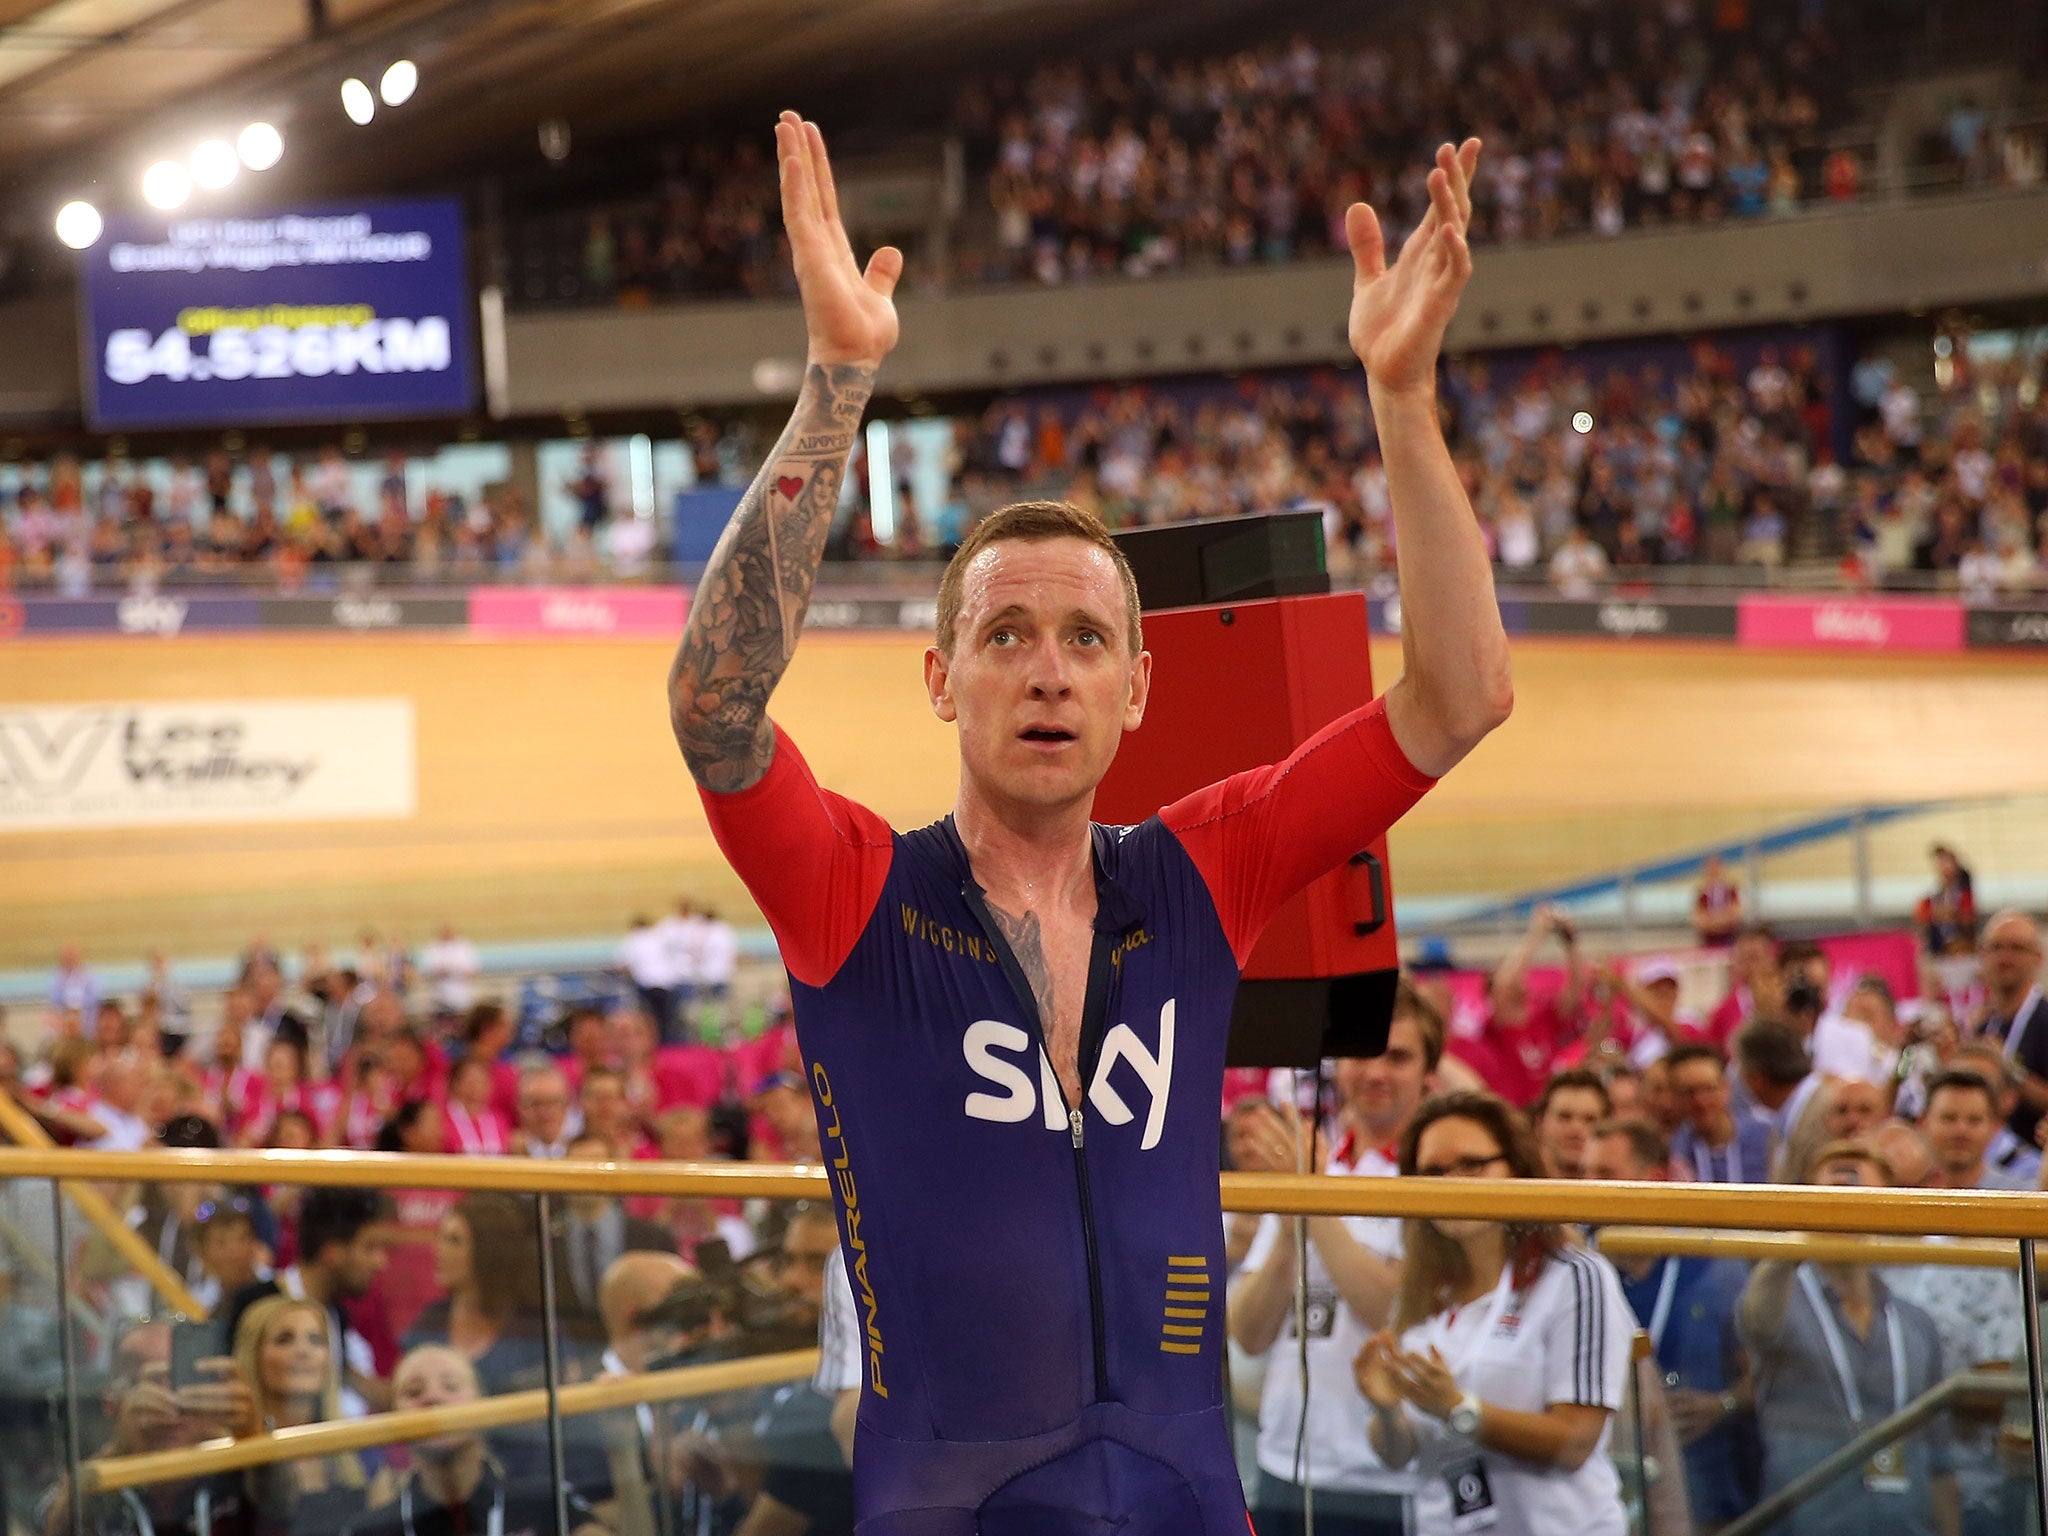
(282, 1350)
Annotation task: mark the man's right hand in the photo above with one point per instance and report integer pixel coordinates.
(848, 313)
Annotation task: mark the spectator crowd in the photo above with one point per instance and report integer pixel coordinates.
(1750, 1060)
(1585, 474)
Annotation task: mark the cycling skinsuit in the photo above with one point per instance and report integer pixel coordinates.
(1041, 1287)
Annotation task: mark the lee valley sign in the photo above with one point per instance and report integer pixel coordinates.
(66, 766)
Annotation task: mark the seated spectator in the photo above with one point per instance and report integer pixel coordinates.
(286, 1085)
(343, 1236)
(455, 1486)
(1863, 1038)
(1835, 1352)
(473, 1125)
(1855, 1106)
(608, 1116)
(1571, 1104)
(544, 1126)
(231, 1256)
(685, 1137)
(282, 1352)
(487, 1034)
(591, 1234)
(487, 1260)
(1716, 1145)
(1514, 1421)
(781, 1103)
(149, 1413)
(1687, 1305)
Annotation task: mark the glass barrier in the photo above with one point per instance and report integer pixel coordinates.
(634, 1353)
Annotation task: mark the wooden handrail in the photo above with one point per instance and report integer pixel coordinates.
(109, 1474)
(1740, 1207)
(33, 1141)
(1654, 1242)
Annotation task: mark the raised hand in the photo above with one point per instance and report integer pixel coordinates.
(1398, 313)
(847, 312)
(1374, 1371)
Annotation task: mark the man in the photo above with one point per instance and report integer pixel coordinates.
(1959, 1122)
(592, 1233)
(1716, 1145)
(782, 1105)
(1753, 984)
(125, 1081)
(682, 939)
(608, 1114)
(543, 1129)
(1354, 1270)
(2007, 1152)
(637, 1467)
(1571, 1104)
(343, 1238)
(1777, 1075)
(647, 959)
(1688, 1308)
(2015, 1012)
(1857, 1106)
(807, 1488)
(1006, 1219)
(1906, 1151)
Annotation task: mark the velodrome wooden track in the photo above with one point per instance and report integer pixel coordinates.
(552, 800)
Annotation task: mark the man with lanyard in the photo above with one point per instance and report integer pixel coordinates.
(2016, 1013)
(1688, 1308)
(1014, 1020)
(1718, 1145)
(1353, 1271)
(1836, 1351)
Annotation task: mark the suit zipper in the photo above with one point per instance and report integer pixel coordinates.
(1091, 1035)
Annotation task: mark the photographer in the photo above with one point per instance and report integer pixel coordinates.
(151, 1412)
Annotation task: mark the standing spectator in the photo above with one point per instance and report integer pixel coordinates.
(1523, 1035)
(1688, 1308)
(2007, 1153)
(718, 960)
(474, 1126)
(682, 938)
(1571, 1104)
(592, 490)
(1754, 985)
(1777, 1075)
(1579, 566)
(451, 965)
(1716, 1145)
(608, 1116)
(1948, 916)
(2015, 1011)
(281, 1350)
(543, 1129)
(74, 989)
(1835, 1352)
(644, 955)
(1513, 1351)
(1716, 906)
(343, 1236)
(1960, 1121)
(1353, 1273)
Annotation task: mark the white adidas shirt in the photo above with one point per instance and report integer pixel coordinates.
(1566, 1340)
(1336, 1453)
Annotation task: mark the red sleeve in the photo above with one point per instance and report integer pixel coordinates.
(1260, 836)
(815, 861)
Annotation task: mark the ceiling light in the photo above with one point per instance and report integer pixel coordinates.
(399, 82)
(357, 101)
(214, 164)
(260, 146)
(78, 225)
(166, 185)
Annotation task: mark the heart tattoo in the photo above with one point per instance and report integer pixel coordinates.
(789, 485)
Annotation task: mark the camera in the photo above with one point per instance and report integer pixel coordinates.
(724, 1314)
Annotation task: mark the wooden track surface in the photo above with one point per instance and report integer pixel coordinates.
(552, 800)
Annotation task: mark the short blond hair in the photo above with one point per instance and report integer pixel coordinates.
(1033, 522)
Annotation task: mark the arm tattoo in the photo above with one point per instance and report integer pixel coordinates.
(1021, 933)
(750, 604)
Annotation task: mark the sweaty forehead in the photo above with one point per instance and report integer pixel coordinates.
(1045, 577)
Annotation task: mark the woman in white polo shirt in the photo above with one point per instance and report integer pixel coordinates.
(1513, 1347)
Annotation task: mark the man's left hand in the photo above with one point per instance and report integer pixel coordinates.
(1399, 313)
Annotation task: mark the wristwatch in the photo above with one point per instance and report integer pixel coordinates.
(1464, 1419)
(1730, 1405)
